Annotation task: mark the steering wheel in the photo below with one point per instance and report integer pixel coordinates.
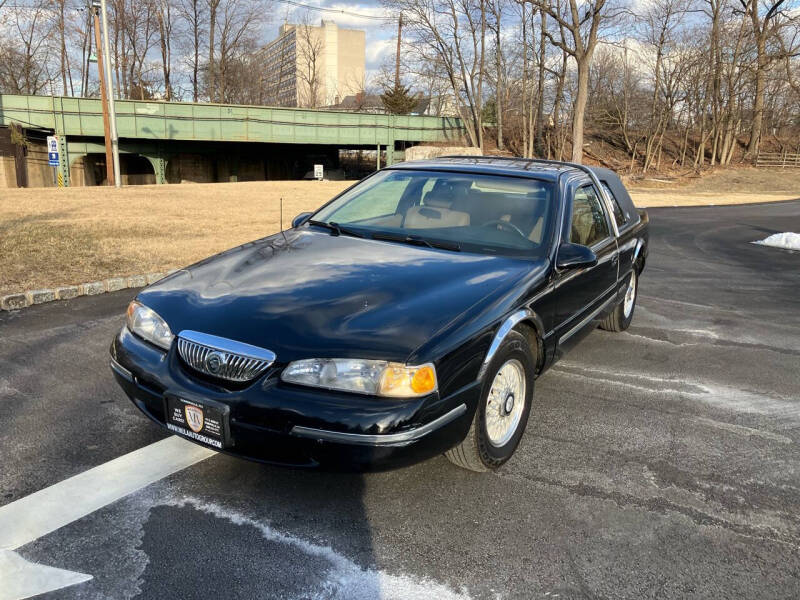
(505, 225)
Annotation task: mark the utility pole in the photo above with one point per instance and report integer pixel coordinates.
(397, 57)
(101, 76)
(112, 117)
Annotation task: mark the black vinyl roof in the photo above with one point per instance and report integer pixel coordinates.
(621, 195)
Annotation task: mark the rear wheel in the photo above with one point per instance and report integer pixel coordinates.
(622, 315)
(503, 409)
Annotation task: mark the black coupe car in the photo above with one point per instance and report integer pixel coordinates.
(408, 317)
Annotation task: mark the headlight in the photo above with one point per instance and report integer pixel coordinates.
(148, 325)
(374, 377)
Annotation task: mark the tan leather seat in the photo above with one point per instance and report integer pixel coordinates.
(582, 224)
(435, 213)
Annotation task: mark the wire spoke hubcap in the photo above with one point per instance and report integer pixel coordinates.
(630, 296)
(505, 403)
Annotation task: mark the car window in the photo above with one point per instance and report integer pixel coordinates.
(481, 213)
(619, 215)
(377, 197)
(589, 224)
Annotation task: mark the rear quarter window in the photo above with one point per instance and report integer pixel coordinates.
(619, 214)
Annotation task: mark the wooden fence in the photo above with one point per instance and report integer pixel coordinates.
(778, 159)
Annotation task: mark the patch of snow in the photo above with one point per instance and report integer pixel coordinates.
(787, 240)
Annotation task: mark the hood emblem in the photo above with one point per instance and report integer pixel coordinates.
(214, 362)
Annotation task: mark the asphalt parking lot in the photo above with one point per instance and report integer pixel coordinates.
(658, 463)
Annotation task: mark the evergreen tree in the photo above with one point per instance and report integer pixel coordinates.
(398, 100)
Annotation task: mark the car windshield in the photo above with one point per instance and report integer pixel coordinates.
(488, 214)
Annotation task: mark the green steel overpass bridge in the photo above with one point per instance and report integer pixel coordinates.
(163, 131)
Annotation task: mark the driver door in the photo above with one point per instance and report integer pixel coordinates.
(583, 295)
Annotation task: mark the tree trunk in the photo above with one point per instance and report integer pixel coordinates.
(212, 26)
(580, 109)
(758, 101)
(499, 88)
(539, 138)
(196, 59)
(165, 54)
(524, 112)
(63, 36)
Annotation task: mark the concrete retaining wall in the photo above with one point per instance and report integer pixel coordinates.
(424, 152)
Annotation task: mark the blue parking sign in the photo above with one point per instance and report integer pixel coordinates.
(52, 150)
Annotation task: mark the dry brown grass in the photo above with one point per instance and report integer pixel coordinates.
(742, 185)
(51, 237)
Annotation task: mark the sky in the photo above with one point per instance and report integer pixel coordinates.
(381, 33)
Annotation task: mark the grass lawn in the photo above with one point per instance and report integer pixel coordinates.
(51, 237)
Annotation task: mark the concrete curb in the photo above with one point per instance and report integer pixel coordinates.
(90, 288)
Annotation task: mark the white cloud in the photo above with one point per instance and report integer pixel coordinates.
(378, 50)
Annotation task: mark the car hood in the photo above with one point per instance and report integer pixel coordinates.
(313, 294)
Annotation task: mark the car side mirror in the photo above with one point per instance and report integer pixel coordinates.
(573, 256)
(300, 219)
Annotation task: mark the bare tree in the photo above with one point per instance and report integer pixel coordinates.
(496, 25)
(582, 22)
(164, 18)
(310, 45)
(765, 20)
(453, 34)
(659, 21)
(193, 18)
(211, 67)
(24, 58)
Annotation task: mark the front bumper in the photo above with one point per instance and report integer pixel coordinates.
(274, 422)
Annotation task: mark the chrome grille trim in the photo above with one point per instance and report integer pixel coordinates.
(221, 357)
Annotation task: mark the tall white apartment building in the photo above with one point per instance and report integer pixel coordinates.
(312, 67)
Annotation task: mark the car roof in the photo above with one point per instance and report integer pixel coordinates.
(492, 165)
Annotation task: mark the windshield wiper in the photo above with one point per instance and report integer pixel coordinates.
(417, 241)
(337, 229)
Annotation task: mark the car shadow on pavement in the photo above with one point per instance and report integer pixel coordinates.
(237, 529)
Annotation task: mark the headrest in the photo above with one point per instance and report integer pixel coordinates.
(440, 196)
(437, 200)
(445, 192)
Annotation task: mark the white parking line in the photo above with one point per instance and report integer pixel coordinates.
(34, 516)
(23, 579)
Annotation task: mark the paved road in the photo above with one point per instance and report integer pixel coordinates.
(662, 462)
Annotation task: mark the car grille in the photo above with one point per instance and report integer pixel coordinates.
(223, 358)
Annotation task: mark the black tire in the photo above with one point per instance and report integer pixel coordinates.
(618, 320)
(476, 452)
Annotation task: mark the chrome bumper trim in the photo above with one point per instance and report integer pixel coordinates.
(389, 439)
(120, 370)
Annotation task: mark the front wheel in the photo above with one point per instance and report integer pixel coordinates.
(622, 315)
(502, 412)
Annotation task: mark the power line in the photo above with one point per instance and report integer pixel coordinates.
(336, 11)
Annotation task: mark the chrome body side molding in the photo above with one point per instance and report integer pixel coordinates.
(389, 439)
(120, 370)
(586, 319)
